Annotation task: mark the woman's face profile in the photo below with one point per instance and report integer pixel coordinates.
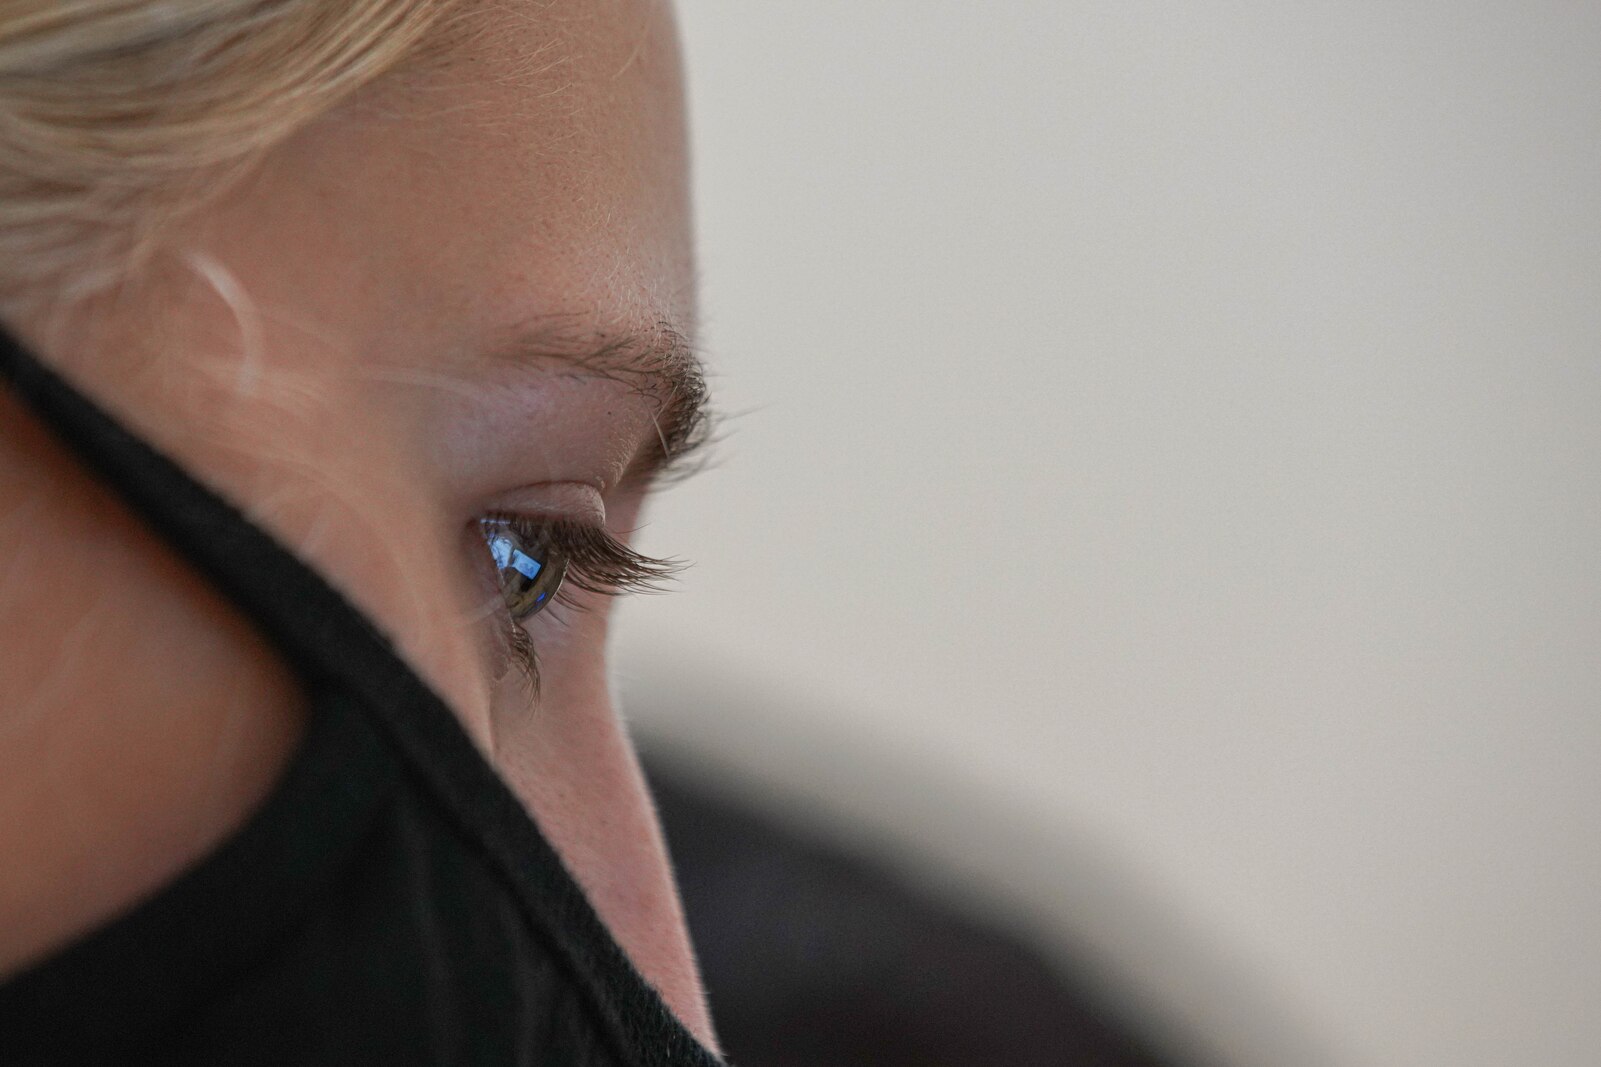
(465, 292)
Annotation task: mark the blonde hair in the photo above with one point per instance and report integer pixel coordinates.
(118, 117)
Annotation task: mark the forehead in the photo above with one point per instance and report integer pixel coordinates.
(532, 162)
(581, 143)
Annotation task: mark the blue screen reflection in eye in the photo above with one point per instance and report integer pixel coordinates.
(509, 555)
(526, 581)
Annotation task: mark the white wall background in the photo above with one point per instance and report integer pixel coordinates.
(1171, 491)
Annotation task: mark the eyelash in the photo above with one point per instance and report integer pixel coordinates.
(596, 562)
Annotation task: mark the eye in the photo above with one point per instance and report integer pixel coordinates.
(529, 564)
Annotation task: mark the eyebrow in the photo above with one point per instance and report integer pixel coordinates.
(658, 363)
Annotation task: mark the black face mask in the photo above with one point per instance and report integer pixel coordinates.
(390, 903)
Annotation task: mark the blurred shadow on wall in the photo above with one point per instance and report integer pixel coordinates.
(813, 957)
(849, 912)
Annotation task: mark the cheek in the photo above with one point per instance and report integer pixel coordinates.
(565, 740)
(570, 762)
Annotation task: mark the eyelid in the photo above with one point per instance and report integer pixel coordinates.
(579, 501)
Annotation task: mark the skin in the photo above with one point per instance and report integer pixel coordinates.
(319, 346)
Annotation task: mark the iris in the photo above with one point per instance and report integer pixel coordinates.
(530, 569)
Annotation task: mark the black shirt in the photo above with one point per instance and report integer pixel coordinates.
(390, 903)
